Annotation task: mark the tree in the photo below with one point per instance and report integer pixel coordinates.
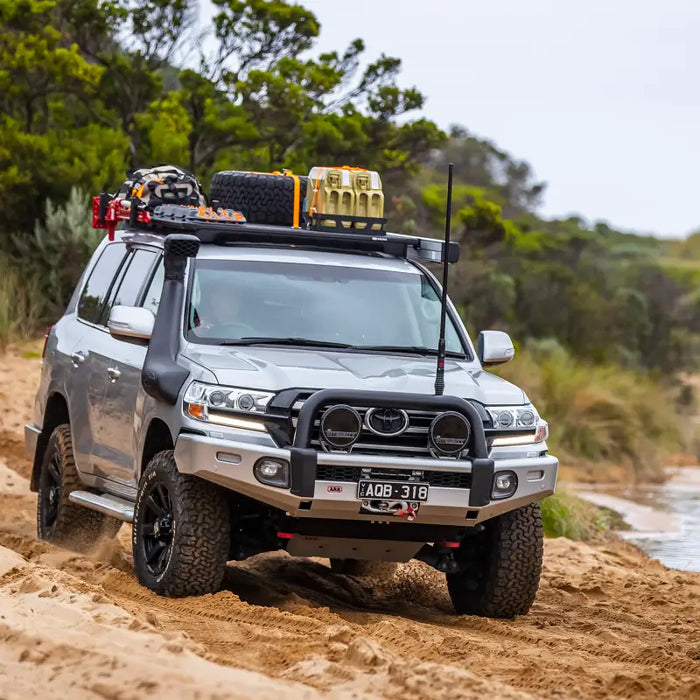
(48, 140)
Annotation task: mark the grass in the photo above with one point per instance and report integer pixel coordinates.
(602, 414)
(566, 515)
(19, 304)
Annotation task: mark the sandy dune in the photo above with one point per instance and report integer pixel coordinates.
(607, 622)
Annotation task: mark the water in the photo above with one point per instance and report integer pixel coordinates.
(665, 519)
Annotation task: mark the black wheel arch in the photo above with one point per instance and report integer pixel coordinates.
(55, 413)
(158, 438)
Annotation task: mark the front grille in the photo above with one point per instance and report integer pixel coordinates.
(411, 443)
(324, 473)
(441, 479)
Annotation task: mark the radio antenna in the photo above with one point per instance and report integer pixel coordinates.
(440, 372)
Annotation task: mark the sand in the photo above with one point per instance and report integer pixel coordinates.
(607, 622)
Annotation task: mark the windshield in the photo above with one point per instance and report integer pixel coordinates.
(251, 301)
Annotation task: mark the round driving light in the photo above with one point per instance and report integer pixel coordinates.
(217, 398)
(341, 427)
(449, 434)
(526, 419)
(272, 471)
(505, 484)
(246, 402)
(505, 419)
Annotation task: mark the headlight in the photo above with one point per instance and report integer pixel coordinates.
(524, 421)
(513, 418)
(223, 405)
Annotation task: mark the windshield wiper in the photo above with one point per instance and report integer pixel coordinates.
(306, 342)
(417, 349)
(309, 342)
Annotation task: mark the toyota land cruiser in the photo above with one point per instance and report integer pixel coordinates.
(234, 388)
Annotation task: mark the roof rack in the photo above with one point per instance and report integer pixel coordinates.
(229, 227)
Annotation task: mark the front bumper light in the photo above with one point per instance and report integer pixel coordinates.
(233, 407)
(505, 484)
(272, 471)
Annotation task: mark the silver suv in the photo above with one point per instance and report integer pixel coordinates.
(232, 394)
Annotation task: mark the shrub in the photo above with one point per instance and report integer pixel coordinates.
(19, 303)
(54, 255)
(601, 413)
(565, 515)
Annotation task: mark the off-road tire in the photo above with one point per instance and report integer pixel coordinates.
(59, 520)
(361, 567)
(501, 567)
(195, 561)
(260, 197)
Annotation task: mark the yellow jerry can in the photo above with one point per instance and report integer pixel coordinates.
(369, 197)
(330, 191)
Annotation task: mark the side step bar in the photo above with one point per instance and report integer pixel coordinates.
(105, 503)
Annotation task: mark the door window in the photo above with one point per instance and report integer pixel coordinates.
(155, 289)
(99, 282)
(128, 292)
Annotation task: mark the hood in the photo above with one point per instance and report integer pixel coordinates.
(277, 368)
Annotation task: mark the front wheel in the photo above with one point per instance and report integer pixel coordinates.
(500, 569)
(181, 532)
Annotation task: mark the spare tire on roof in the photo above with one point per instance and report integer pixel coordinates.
(263, 198)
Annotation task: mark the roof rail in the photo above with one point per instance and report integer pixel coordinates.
(229, 227)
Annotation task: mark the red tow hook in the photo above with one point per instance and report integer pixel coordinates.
(408, 514)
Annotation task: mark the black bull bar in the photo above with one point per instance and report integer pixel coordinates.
(303, 460)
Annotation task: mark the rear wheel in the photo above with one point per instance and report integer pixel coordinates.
(261, 197)
(181, 531)
(58, 519)
(500, 570)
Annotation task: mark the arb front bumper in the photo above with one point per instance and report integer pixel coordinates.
(326, 484)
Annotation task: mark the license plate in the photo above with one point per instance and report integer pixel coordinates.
(396, 490)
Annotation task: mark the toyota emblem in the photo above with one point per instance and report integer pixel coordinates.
(386, 422)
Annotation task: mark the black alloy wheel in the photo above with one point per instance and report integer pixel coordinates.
(157, 528)
(50, 494)
(58, 519)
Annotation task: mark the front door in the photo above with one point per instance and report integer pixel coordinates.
(118, 368)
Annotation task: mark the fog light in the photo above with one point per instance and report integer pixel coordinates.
(272, 471)
(504, 485)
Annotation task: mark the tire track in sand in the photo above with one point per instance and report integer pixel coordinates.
(607, 622)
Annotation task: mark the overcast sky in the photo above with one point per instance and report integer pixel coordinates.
(601, 97)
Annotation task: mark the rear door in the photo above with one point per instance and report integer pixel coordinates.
(83, 386)
(119, 366)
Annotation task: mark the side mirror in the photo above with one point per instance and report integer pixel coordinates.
(131, 322)
(494, 347)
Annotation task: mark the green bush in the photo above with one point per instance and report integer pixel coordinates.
(54, 255)
(19, 302)
(600, 413)
(565, 515)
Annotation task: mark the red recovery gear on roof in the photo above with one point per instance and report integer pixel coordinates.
(115, 211)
